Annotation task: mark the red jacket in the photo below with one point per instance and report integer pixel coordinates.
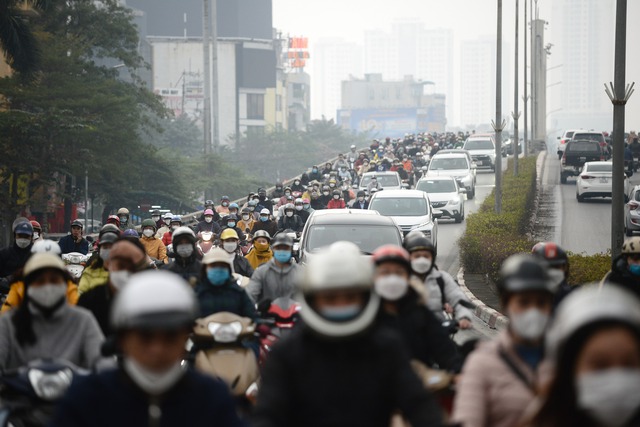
(336, 204)
(167, 238)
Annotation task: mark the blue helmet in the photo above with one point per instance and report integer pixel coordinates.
(130, 233)
(234, 205)
(23, 228)
(176, 218)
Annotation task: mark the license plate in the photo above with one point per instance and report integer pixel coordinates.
(604, 180)
(582, 159)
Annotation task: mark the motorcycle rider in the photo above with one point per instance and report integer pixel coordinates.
(326, 197)
(340, 162)
(284, 199)
(218, 290)
(290, 220)
(231, 222)
(261, 252)
(176, 222)
(247, 220)
(165, 226)
(126, 258)
(263, 201)
(45, 326)
(153, 318)
(315, 174)
(336, 202)
(500, 378)
(229, 242)
(208, 223)
(297, 186)
(114, 220)
(16, 293)
(360, 202)
(344, 174)
(352, 155)
(558, 268)
(275, 278)
(278, 192)
(266, 223)
(153, 246)
(14, 257)
(373, 184)
(223, 209)
(306, 206)
(300, 211)
(361, 374)
(185, 262)
(74, 242)
(625, 270)
(96, 272)
(155, 216)
(124, 217)
(443, 294)
(37, 231)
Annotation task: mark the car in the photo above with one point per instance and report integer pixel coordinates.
(456, 166)
(564, 140)
(483, 150)
(576, 154)
(632, 212)
(458, 151)
(592, 136)
(367, 229)
(507, 146)
(387, 180)
(596, 180)
(410, 209)
(445, 195)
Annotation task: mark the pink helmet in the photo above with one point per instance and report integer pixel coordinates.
(208, 212)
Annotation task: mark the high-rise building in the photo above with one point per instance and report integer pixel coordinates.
(333, 60)
(477, 81)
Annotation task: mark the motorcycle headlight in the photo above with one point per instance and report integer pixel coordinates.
(206, 237)
(50, 386)
(225, 332)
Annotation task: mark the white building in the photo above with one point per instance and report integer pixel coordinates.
(332, 61)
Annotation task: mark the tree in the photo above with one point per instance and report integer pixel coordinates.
(17, 40)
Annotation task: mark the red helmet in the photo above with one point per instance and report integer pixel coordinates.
(36, 225)
(113, 219)
(392, 253)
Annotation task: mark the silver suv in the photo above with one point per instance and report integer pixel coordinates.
(456, 166)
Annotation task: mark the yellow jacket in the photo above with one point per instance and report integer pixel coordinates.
(155, 248)
(16, 295)
(242, 225)
(257, 258)
(92, 277)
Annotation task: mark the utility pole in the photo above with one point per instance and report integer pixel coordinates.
(619, 95)
(498, 124)
(87, 228)
(214, 80)
(533, 75)
(516, 112)
(206, 38)
(525, 98)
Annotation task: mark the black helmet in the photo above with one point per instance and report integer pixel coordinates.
(336, 192)
(553, 254)
(231, 217)
(361, 193)
(524, 272)
(282, 239)
(416, 241)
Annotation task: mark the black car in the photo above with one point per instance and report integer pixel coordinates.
(577, 153)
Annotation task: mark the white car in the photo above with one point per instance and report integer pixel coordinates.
(596, 180)
(483, 150)
(445, 195)
(456, 166)
(388, 180)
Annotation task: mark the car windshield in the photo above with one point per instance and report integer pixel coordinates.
(478, 144)
(583, 146)
(448, 163)
(588, 137)
(437, 186)
(384, 180)
(406, 206)
(367, 237)
(600, 167)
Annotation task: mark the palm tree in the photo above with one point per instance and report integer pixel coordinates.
(17, 41)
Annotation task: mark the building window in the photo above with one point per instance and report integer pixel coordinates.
(278, 102)
(298, 90)
(255, 106)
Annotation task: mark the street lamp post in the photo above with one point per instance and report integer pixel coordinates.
(525, 98)
(499, 123)
(516, 112)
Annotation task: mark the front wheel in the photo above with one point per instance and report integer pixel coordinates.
(458, 218)
(471, 194)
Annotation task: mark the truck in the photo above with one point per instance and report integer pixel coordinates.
(576, 154)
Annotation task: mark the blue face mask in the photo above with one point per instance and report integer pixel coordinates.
(264, 218)
(341, 313)
(218, 275)
(282, 256)
(231, 224)
(635, 269)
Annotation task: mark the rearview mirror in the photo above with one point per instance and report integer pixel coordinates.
(558, 138)
(436, 214)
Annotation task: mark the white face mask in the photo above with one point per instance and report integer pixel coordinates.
(23, 243)
(611, 396)
(289, 214)
(152, 382)
(306, 206)
(175, 227)
(556, 276)
(104, 254)
(47, 295)
(148, 232)
(185, 250)
(336, 197)
(361, 199)
(421, 265)
(391, 287)
(208, 219)
(36, 235)
(167, 221)
(230, 246)
(245, 217)
(119, 278)
(298, 207)
(529, 325)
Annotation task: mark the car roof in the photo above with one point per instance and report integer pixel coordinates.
(453, 155)
(380, 173)
(437, 178)
(399, 194)
(349, 216)
(453, 151)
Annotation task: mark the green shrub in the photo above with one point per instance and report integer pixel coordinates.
(588, 268)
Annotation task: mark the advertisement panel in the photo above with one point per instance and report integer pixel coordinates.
(392, 122)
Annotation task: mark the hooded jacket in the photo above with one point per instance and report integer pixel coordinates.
(92, 276)
(258, 257)
(294, 223)
(270, 282)
(155, 248)
(227, 297)
(452, 295)
(336, 204)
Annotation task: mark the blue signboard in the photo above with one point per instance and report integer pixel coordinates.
(392, 122)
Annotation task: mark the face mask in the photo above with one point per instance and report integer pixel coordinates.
(167, 221)
(361, 199)
(635, 269)
(296, 182)
(36, 235)
(152, 382)
(264, 218)
(421, 265)
(391, 287)
(556, 275)
(341, 313)
(261, 246)
(611, 396)
(282, 256)
(306, 206)
(326, 193)
(23, 243)
(298, 207)
(47, 295)
(252, 208)
(123, 219)
(529, 325)
(336, 197)
(231, 224)
(174, 227)
(332, 185)
(104, 254)
(314, 170)
(208, 219)
(119, 278)
(225, 204)
(289, 214)
(230, 246)
(287, 193)
(155, 218)
(185, 250)
(218, 275)
(148, 232)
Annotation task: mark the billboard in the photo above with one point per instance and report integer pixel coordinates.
(392, 122)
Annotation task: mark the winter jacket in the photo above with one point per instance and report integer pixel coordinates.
(111, 398)
(155, 248)
(256, 258)
(304, 216)
(227, 297)
(13, 258)
(68, 245)
(162, 230)
(92, 276)
(315, 176)
(294, 223)
(361, 381)
(360, 205)
(452, 295)
(620, 275)
(189, 269)
(222, 210)
(336, 204)
(426, 339)
(247, 225)
(241, 265)
(98, 301)
(212, 226)
(270, 282)
(264, 203)
(16, 295)
(490, 393)
(167, 238)
(270, 227)
(317, 204)
(71, 333)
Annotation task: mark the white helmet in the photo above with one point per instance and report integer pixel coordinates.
(154, 300)
(43, 246)
(218, 255)
(340, 266)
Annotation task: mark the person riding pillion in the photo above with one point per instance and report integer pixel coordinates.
(229, 240)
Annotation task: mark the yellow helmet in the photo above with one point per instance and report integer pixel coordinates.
(229, 233)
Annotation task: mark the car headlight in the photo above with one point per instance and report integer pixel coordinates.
(225, 332)
(50, 386)
(453, 202)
